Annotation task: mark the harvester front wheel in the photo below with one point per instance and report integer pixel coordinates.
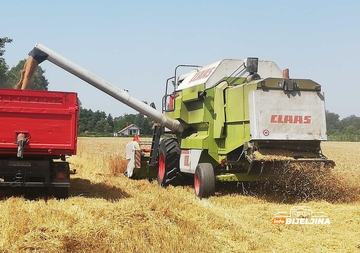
(168, 163)
(204, 180)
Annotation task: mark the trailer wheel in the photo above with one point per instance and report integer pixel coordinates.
(168, 163)
(204, 180)
(60, 192)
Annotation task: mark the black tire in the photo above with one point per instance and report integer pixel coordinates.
(60, 192)
(204, 180)
(168, 163)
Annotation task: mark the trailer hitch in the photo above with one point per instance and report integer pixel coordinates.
(18, 180)
(21, 141)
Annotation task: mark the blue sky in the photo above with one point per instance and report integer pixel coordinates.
(136, 45)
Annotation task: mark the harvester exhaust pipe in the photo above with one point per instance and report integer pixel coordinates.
(286, 73)
(41, 53)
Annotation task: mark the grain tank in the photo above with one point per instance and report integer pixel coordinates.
(233, 120)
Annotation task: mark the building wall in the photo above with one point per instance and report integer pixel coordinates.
(130, 131)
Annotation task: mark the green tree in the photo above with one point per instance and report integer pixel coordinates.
(84, 118)
(350, 121)
(3, 41)
(3, 77)
(94, 119)
(144, 123)
(351, 133)
(351, 130)
(332, 122)
(102, 126)
(38, 81)
(110, 121)
(3, 66)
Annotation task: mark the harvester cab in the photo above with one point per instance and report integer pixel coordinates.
(233, 120)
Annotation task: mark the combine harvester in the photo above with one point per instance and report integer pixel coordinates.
(233, 120)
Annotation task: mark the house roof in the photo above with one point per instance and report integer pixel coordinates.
(129, 126)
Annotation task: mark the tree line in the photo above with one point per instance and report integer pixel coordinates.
(98, 123)
(346, 129)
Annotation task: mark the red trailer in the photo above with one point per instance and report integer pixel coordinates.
(38, 129)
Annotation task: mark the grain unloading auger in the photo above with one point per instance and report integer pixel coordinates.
(233, 120)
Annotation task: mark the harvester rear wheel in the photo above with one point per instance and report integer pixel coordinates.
(204, 180)
(168, 163)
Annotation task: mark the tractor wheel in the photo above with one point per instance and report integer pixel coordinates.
(204, 180)
(168, 163)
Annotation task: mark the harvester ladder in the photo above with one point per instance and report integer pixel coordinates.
(154, 152)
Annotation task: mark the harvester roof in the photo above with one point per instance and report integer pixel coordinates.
(216, 71)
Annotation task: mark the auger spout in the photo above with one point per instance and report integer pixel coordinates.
(41, 53)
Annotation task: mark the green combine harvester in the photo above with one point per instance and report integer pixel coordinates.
(230, 121)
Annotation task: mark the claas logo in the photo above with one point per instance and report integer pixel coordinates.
(290, 119)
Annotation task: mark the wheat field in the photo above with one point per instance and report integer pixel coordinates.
(107, 212)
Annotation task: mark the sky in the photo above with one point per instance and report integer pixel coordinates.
(136, 45)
